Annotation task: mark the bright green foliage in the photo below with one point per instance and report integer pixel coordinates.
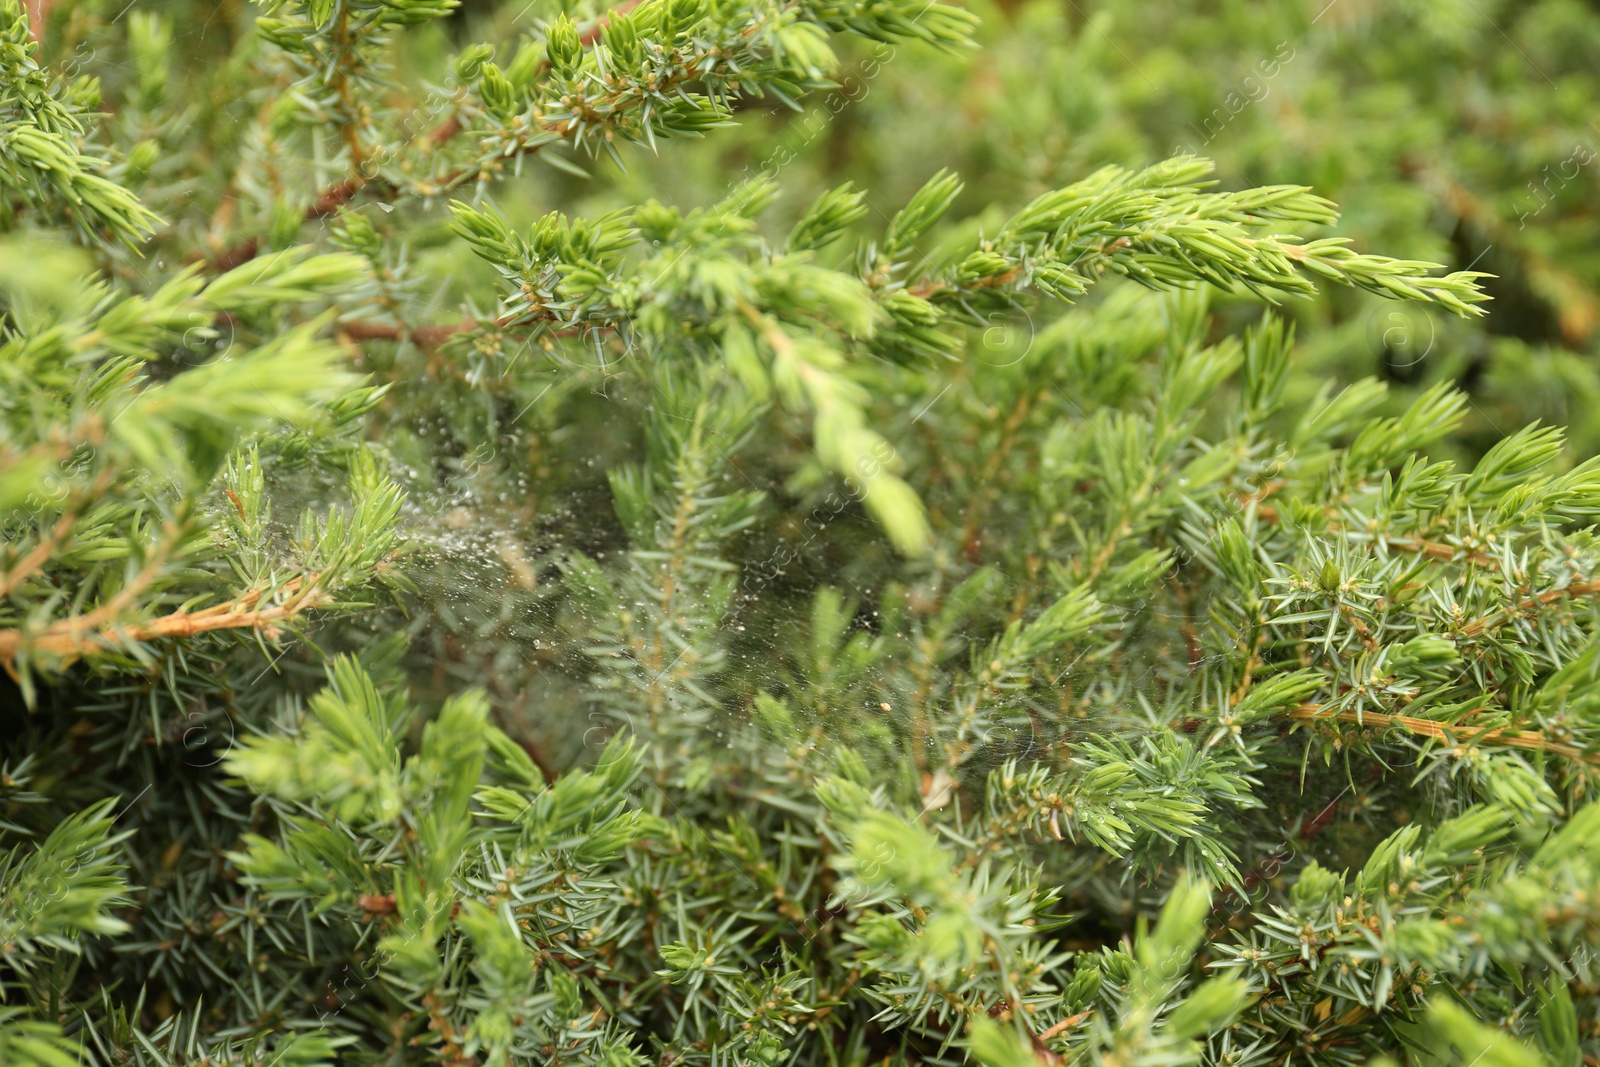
(115, 472)
(837, 610)
(63, 888)
(1453, 131)
(46, 162)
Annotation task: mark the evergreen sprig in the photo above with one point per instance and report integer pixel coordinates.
(776, 671)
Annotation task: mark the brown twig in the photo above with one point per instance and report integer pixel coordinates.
(1440, 731)
(971, 532)
(1065, 1024)
(331, 199)
(75, 637)
(444, 131)
(428, 336)
(89, 432)
(1042, 1052)
(436, 334)
(1550, 596)
(38, 12)
(1531, 603)
(1438, 550)
(540, 758)
(327, 203)
(38, 555)
(376, 904)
